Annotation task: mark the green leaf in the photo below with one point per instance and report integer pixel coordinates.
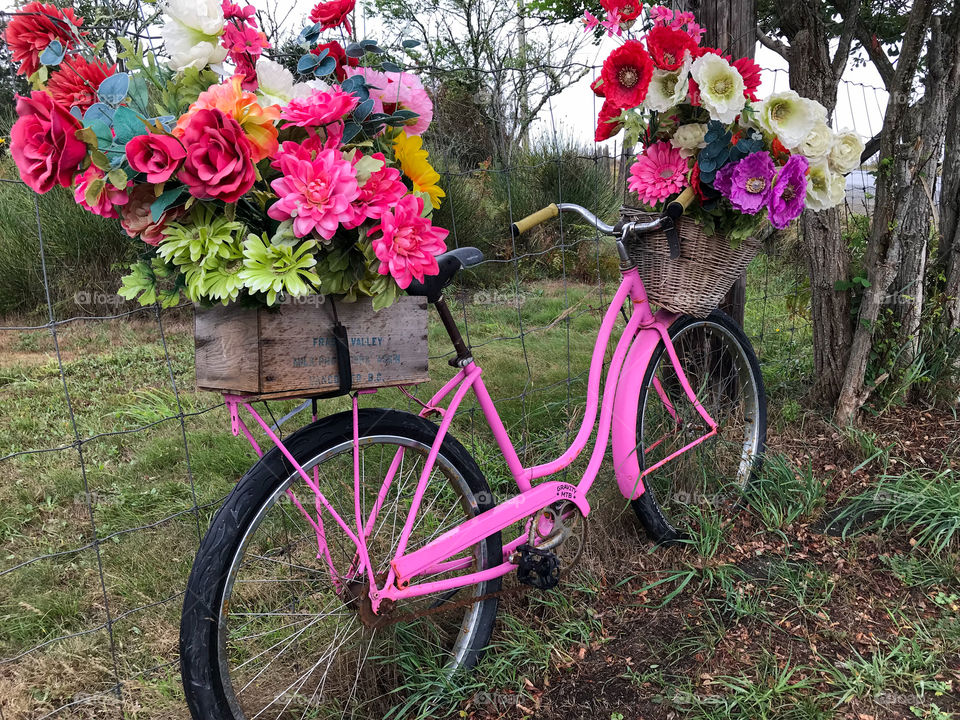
(127, 125)
(94, 188)
(118, 178)
(166, 199)
(139, 95)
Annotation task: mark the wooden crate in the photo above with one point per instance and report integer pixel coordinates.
(290, 351)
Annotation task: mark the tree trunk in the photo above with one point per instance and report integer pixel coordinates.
(948, 258)
(927, 123)
(732, 26)
(899, 162)
(813, 75)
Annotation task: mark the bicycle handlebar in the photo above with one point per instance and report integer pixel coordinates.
(675, 208)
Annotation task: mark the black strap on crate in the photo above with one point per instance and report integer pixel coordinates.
(344, 370)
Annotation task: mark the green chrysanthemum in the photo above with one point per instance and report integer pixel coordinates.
(274, 269)
(204, 239)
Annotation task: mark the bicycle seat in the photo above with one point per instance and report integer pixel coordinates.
(449, 263)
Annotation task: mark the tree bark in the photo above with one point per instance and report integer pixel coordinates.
(948, 257)
(898, 164)
(732, 26)
(927, 122)
(813, 74)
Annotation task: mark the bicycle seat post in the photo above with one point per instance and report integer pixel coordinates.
(463, 357)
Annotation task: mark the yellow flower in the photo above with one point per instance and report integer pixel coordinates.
(415, 165)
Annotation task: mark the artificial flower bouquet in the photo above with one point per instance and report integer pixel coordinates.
(701, 122)
(240, 183)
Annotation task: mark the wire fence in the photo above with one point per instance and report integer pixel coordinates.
(112, 464)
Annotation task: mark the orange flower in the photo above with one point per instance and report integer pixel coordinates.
(230, 98)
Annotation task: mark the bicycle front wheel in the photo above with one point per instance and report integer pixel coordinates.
(723, 371)
(268, 630)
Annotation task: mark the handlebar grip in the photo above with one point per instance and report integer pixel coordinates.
(521, 226)
(677, 206)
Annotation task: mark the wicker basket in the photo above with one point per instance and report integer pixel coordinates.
(695, 283)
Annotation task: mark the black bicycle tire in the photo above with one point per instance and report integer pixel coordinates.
(202, 682)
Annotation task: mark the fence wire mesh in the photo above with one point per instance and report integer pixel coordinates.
(111, 464)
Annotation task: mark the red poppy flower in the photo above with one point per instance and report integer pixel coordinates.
(606, 128)
(333, 14)
(668, 45)
(626, 9)
(76, 81)
(701, 51)
(597, 87)
(626, 75)
(336, 51)
(750, 72)
(33, 27)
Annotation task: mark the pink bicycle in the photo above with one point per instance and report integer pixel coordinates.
(365, 551)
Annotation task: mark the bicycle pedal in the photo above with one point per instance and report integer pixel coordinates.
(538, 568)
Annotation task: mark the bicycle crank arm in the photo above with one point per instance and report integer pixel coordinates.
(456, 540)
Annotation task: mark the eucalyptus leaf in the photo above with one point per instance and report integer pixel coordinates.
(98, 112)
(327, 66)
(355, 50)
(53, 54)
(307, 63)
(76, 112)
(410, 44)
(350, 131)
(139, 97)
(113, 90)
(363, 110)
(127, 125)
(390, 67)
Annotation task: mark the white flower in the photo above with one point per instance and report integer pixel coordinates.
(825, 189)
(668, 87)
(818, 111)
(191, 33)
(818, 142)
(689, 138)
(845, 152)
(789, 117)
(721, 87)
(274, 81)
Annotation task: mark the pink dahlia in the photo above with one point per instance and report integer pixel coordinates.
(316, 192)
(319, 109)
(378, 194)
(106, 201)
(658, 173)
(409, 243)
(137, 220)
(404, 91)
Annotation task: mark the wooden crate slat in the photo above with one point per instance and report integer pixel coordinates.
(290, 351)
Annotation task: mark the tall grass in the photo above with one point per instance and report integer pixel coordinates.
(80, 249)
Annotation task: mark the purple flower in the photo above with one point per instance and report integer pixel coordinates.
(788, 198)
(722, 181)
(749, 184)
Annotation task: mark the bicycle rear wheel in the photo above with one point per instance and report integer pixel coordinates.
(267, 631)
(722, 368)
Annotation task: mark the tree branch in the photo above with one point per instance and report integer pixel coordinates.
(877, 55)
(851, 17)
(772, 44)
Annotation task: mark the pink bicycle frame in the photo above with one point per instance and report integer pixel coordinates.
(617, 420)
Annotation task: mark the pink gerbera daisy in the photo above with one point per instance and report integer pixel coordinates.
(315, 192)
(319, 109)
(659, 172)
(409, 243)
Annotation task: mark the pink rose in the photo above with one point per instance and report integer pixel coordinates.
(43, 143)
(218, 162)
(158, 156)
(107, 200)
(136, 220)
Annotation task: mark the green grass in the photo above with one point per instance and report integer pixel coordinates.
(119, 380)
